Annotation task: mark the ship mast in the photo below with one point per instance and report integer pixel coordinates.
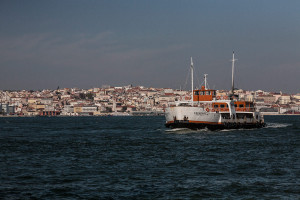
(233, 60)
(192, 80)
(205, 81)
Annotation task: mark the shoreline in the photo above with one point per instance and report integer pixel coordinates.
(108, 115)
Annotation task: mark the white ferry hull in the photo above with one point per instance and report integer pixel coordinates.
(199, 118)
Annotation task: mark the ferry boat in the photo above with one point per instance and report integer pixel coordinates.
(206, 110)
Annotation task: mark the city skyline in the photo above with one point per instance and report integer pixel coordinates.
(75, 44)
(128, 99)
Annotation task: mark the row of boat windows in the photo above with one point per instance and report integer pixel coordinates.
(205, 93)
(221, 106)
(226, 106)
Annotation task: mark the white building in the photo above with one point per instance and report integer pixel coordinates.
(284, 99)
(89, 109)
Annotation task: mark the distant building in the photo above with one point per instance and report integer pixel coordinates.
(89, 109)
(49, 113)
(269, 99)
(295, 108)
(168, 91)
(3, 108)
(6, 109)
(249, 97)
(297, 96)
(46, 101)
(85, 110)
(166, 98)
(284, 99)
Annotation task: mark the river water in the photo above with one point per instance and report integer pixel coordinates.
(138, 158)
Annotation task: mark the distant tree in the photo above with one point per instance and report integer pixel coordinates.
(82, 96)
(76, 96)
(90, 96)
(108, 109)
(124, 108)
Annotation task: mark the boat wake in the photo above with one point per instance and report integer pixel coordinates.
(185, 130)
(277, 125)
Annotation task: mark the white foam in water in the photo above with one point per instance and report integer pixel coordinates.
(277, 125)
(179, 130)
(185, 130)
(226, 130)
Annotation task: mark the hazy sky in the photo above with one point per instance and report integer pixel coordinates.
(89, 43)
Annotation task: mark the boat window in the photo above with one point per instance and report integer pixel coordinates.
(202, 93)
(196, 92)
(241, 105)
(214, 93)
(216, 106)
(222, 105)
(235, 105)
(208, 93)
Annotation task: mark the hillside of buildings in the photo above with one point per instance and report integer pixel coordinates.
(128, 100)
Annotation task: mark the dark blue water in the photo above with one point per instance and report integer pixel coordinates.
(138, 158)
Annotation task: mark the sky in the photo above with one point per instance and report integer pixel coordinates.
(89, 43)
